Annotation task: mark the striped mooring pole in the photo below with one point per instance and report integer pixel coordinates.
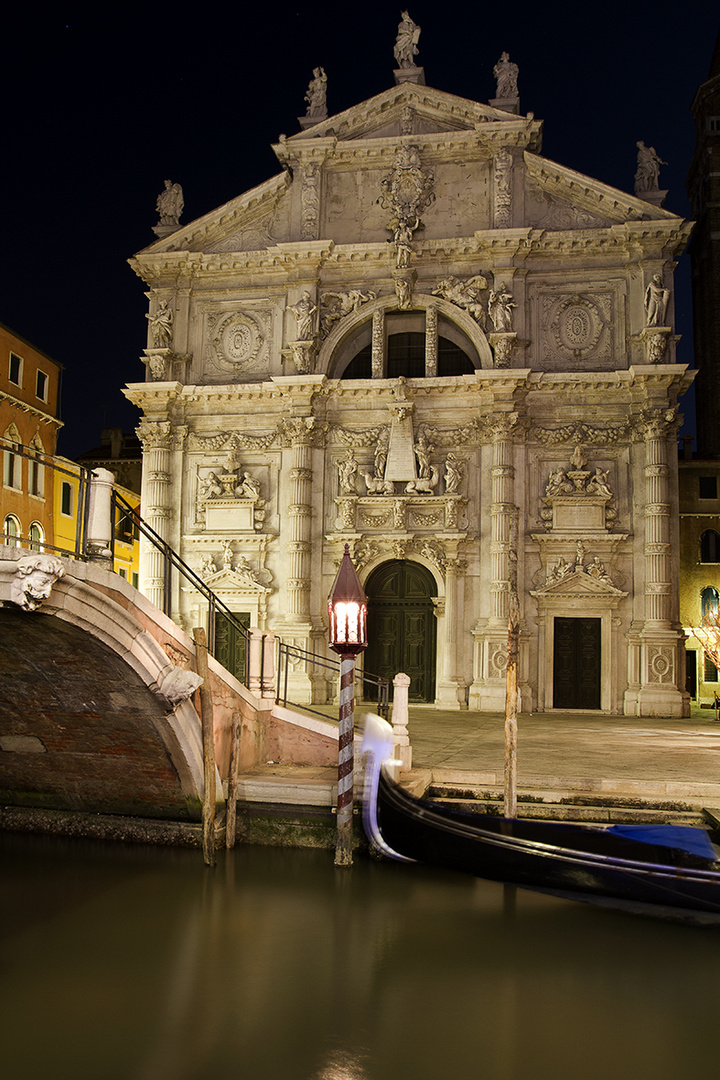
(343, 844)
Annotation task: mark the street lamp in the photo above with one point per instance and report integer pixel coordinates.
(347, 614)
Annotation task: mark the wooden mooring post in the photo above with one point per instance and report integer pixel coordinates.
(511, 693)
(231, 813)
(208, 735)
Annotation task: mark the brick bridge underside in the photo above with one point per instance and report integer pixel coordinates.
(79, 729)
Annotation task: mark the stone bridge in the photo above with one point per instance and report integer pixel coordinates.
(97, 713)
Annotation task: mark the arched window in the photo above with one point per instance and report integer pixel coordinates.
(709, 602)
(37, 536)
(406, 356)
(710, 546)
(12, 531)
(413, 344)
(12, 464)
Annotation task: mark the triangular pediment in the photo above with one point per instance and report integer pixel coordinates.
(408, 109)
(561, 198)
(248, 222)
(579, 583)
(231, 581)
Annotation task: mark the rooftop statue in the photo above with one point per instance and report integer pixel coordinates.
(316, 95)
(647, 177)
(170, 203)
(406, 45)
(506, 74)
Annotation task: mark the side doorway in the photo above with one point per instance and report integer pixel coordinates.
(576, 663)
(230, 643)
(402, 627)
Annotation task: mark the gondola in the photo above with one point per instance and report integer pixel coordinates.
(665, 870)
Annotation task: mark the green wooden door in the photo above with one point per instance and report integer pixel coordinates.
(401, 626)
(230, 643)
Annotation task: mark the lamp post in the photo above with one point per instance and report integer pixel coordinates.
(347, 614)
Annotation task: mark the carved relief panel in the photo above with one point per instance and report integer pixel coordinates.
(576, 330)
(236, 344)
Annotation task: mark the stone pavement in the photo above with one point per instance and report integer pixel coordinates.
(657, 759)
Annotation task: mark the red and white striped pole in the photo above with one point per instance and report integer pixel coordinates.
(347, 627)
(343, 845)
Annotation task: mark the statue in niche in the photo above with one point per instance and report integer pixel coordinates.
(453, 474)
(33, 581)
(170, 203)
(161, 325)
(316, 95)
(347, 469)
(304, 312)
(647, 176)
(406, 44)
(500, 308)
(656, 301)
(506, 74)
(598, 485)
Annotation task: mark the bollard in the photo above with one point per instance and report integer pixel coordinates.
(98, 543)
(401, 739)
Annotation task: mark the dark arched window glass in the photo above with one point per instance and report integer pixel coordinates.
(710, 546)
(406, 356)
(709, 602)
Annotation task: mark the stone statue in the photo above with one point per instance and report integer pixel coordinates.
(170, 203)
(424, 485)
(500, 309)
(227, 555)
(209, 487)
(33, 581)
(304, 311)
(647, 177)
(656, 301)
(558, 484)
(406, 45)
(596, 569)
(465, 294)
(506, 74)
(598, 485)
(316, 95)
(207, 568)
(403, 243)
(347, 468)
(248, 488)
(422, 453)
(453, 474)
(161, 325)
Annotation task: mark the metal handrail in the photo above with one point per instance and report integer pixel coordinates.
(287, 652)
(171, 560)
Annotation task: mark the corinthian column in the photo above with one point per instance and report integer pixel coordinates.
(654, 652)
(156, 507)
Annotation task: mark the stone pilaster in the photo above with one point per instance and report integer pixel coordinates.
(378, 344)
(431, 342)
(450, 693)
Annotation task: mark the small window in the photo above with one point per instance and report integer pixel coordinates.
(709, 601)
(66, 499)
(41, 385)
(12, 531)
(15, 369)
(711, 672)
(122, 572)
(135, 579)
(36, 536)
(714, 123)
(12, 472)
(36, 478)
(707, 487)
(710, 546)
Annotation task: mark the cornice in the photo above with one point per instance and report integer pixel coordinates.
(26, 407)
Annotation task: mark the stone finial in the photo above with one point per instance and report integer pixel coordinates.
(34, 579)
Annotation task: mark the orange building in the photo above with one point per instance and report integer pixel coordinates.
(29, 424)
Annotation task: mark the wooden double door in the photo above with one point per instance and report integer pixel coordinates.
(230, 643)
(576, 663)
(402, 625)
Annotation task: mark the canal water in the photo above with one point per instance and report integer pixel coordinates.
(126, 963)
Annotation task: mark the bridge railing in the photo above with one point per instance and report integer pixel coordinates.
(375, 688)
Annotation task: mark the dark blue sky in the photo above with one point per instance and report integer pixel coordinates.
(99, 106)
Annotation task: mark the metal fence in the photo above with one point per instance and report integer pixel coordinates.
(374, 688)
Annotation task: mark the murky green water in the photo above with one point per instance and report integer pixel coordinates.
(139, 964)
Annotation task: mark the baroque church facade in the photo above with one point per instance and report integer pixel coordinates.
(425, 340)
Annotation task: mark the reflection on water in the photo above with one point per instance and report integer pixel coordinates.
(123, 963)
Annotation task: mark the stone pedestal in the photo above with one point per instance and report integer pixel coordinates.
(410, 74)
(506, 104)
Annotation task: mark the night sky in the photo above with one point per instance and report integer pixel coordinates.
(101, 104)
